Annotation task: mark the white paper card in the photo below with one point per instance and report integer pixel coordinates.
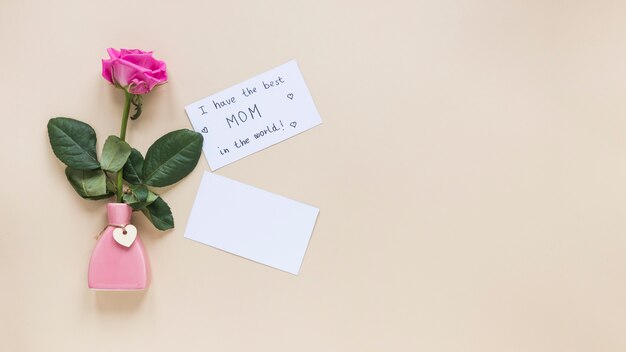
(252, 223)
(253, 115)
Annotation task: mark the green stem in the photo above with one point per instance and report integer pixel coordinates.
(123, 137)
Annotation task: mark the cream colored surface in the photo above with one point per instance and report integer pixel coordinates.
(470, 172)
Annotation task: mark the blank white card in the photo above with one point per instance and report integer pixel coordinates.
(252, 223)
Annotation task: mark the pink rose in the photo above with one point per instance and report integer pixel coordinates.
(134, 70)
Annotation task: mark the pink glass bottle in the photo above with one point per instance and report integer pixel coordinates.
(113, 266)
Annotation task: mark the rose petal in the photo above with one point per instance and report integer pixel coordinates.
(113, 54)
(134, 51)
(138, 87)
(122, 73)
(137, 71)
(106, 70)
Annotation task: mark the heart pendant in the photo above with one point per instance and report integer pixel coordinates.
(126, 235)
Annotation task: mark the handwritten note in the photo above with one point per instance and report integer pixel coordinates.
(252, 223)
(253, 115)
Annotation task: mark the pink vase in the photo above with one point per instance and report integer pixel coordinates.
(114, 266)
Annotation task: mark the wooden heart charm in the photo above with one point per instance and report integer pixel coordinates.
(126, 235)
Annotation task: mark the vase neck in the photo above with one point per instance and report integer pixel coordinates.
(119, 213)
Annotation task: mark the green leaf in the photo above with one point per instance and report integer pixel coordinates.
(73, 142)
(141, 192)
(114, 154)
(133, 168)
(159, 214)
(110, 191)
(172, 157)
(140, 197)
(104, 196)
(111, 186)
(89, 184)
(136, 101)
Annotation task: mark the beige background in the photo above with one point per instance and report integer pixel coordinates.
(470, 173)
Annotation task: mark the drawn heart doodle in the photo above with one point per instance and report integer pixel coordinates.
(205, 130)
(290, 96)
(293, 124)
